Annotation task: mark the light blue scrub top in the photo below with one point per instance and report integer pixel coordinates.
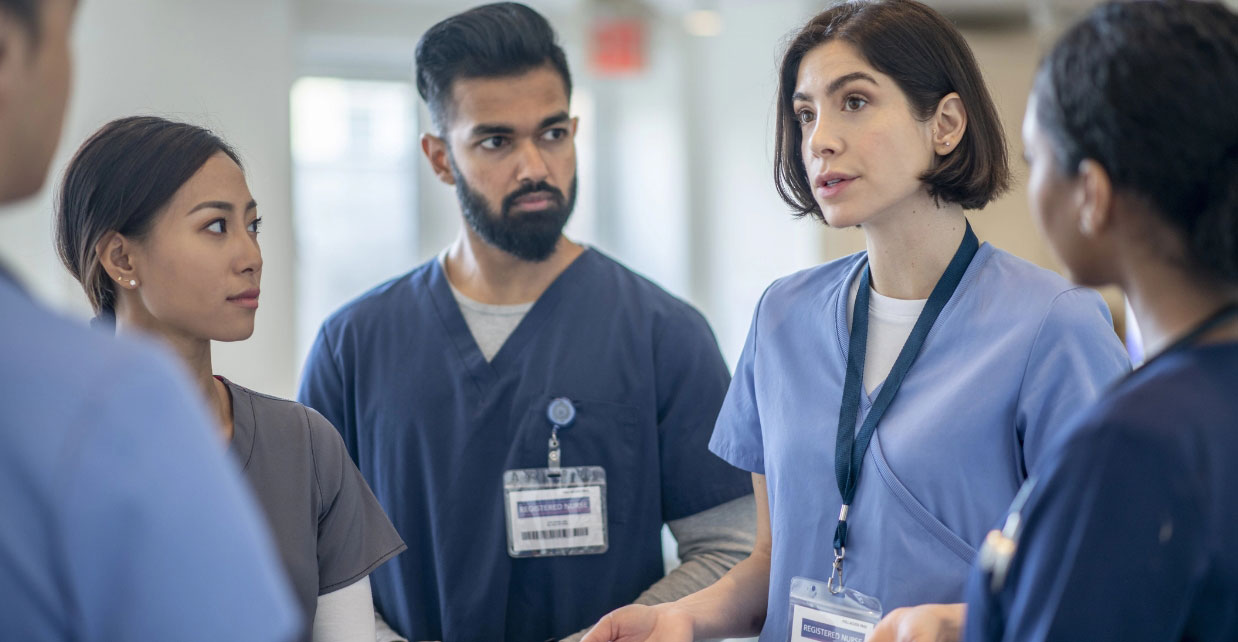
(122, 518)
(1015, 352)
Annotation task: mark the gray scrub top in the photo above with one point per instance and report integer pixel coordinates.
(329, 528)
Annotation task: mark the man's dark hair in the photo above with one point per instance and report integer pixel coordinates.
(927, 58)
(493, 40)
(119, 181)
(27, 13)
(1147, 90)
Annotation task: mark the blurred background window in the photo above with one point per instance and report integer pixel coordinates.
(354, 145)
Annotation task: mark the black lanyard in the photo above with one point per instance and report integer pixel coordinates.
(851, 445)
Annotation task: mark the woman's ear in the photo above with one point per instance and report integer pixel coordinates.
(115, 255)
(949, 124)
(1094, 199)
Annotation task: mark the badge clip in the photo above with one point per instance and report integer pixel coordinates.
(836, 572)
(561, 413)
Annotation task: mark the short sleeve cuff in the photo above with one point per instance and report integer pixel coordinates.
(737, 455)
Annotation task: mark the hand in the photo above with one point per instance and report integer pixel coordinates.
(639, 623)
(925, 623)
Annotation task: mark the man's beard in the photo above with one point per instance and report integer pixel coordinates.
(529, 236)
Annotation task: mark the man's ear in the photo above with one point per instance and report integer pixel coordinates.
(436, 152)
(1094, 199)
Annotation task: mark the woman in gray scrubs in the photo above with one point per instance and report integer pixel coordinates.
(156, 221)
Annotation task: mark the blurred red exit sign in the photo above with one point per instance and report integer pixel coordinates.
(617, 46)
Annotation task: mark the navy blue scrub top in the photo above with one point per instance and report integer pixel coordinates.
(1129, 532)
(432, 427)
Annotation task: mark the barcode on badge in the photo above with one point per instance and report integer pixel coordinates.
(558, 533)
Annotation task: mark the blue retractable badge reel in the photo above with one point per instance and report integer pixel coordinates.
(561, 412)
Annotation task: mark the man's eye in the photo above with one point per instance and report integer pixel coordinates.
(494, 142)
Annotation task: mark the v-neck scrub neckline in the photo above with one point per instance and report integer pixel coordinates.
(1015, 352)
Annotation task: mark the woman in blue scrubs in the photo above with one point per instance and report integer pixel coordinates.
(949, 365)
(156, 221)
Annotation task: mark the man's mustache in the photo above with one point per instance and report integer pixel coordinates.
(533, 188)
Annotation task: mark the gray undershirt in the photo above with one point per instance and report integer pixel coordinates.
(489, 324)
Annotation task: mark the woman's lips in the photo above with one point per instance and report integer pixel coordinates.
(833, 187)
(247, 299)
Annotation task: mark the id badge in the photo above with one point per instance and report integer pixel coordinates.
(555, 511)
(817, 615)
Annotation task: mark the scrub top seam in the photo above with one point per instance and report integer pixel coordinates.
(1027, 364)
(331, 352)
(314, 456)
(445, 325)
(919, 512)
(382, 559)
(251, 429)
(543, 307)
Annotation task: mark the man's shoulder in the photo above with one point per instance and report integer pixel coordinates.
(610, 278)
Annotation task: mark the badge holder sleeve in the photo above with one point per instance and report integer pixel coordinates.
(820, 615)
(555, 511)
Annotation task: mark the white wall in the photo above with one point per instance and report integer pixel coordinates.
(225, 64)
(745, 235)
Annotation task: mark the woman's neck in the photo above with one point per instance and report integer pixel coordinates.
(1169, 302)
(195, 353)
(909, 251)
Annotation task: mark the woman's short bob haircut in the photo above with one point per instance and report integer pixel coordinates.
(927, 58)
